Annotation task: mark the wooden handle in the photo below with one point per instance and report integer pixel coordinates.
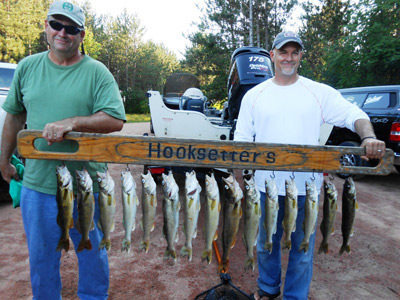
(145, 150)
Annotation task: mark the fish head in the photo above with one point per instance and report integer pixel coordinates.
(106, 183)
(270, 188)
(291, 189)
(211, 186)
(232, 189)
(169, 186)
(250, 188)
(349, 186)
(148, 183)
(192, 186)
(84, 181)
(64, 177)
(330, 189)
(128, 184)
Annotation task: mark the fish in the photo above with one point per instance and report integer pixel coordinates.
(271, 211)
(349, 208)
(329, 213)
(65, 204)
(212, 211)
(231, 213)
(191, 212)
(130, 203)
(310, 214)
(291, 209)
(171, 207)
(86, 204)
(149, 206)
(252, 214)
(107, 206)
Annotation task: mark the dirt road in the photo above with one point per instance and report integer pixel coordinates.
(371, 271)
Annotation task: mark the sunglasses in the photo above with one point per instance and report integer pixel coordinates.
(69, 29)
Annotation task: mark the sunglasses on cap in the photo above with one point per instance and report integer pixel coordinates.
(69, 29)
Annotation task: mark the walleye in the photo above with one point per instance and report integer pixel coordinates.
(65, 203)
(349, 207)
(252, 213)
(107, 207)
(232, 213)
(171, 207)
(212, 210)
(271, 211)
(149, 206)
(191, 211)
(310, 214)
(86, 202)
(289, 219)
(329, 214)
(130, 202)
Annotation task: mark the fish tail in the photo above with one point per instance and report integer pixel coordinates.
(304, 246)
(84, 244)
(126, 245)
(324, 247)
(144, 245)
(287, 244)
(186, 251)
(207, 255)
(268, 246)
(63, 244)
(170, 254)
(344, 248)
(105, 243)
(249, 263)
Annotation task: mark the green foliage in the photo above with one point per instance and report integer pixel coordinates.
(136, 118)
(352, 43)
(21, 28)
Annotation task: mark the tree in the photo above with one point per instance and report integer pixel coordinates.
(20, 37)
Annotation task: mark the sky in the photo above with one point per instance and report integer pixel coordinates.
(165, 21)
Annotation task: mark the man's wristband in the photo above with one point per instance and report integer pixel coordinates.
(367, 137)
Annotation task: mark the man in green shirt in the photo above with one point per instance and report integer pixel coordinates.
(59, 91)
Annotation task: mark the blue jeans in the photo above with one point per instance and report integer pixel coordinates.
(39, 214)
(300, 266)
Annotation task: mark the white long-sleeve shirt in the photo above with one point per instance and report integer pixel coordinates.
(293, 114)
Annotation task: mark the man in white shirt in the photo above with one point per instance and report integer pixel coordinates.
(289, 109)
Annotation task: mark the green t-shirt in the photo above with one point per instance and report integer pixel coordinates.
(49, 93)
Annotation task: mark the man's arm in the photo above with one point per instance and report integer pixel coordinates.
(99, 122)
(12, 125)
(375, 149)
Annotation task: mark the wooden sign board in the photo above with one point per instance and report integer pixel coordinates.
(146, 150)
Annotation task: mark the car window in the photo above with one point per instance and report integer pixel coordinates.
(357, 99)
(6, 77)
(377, 100)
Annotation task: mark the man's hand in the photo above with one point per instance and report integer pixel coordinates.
(54, 132)
(8, 172)
(374, 149)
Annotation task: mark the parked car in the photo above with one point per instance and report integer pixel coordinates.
(6, 76)
(382, 104)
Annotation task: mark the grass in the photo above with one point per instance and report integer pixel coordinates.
(136, 118)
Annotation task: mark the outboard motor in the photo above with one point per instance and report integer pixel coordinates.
(249, 67)
(193, 99)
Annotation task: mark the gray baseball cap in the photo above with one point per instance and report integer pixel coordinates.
(285, 37)
(69, 10)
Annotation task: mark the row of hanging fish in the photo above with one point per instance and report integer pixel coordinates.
(231, 215)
